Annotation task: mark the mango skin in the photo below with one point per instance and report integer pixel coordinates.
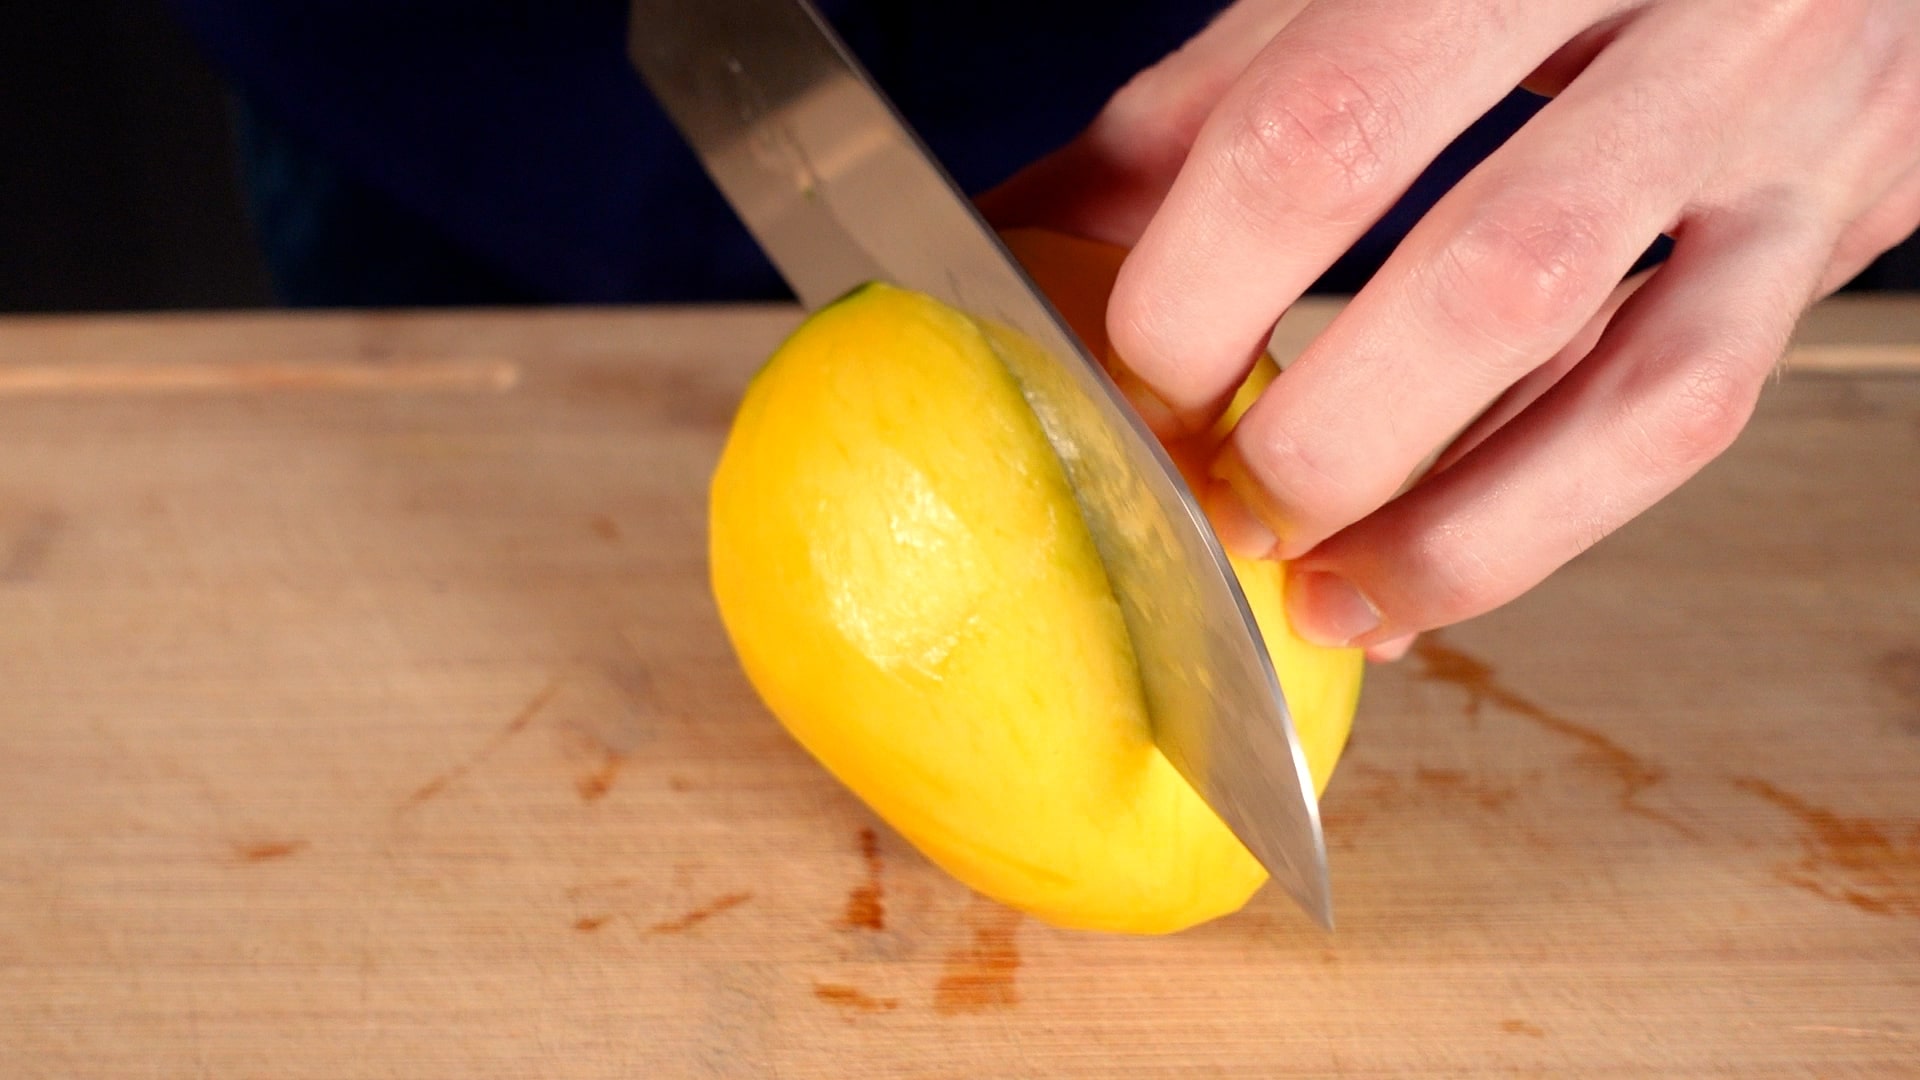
(904, 574)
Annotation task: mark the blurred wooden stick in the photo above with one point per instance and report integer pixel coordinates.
(471, 375)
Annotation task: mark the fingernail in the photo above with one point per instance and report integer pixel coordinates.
(1327, 610)
(1388, 652)
(1157, 414)
(1240, 532)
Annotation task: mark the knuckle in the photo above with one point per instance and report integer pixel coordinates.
(1330, 132)
(1518, 269)
(1456, 582)
(1708, 409)
(1799, 21)
(1307, 487)
(1710, 394)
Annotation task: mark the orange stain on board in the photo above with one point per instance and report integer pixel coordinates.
(1523, 1027)
(979, 975)
(691, 919)
(1457, 782)
(515, 725)
(594, 786)
(1442, 663)
(587, 924)
(1849, 860)
(866, 903)
(268, 850)
(430, 789)
(853, 998)
(1374, 791)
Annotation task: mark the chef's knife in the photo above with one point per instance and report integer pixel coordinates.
(839, 191)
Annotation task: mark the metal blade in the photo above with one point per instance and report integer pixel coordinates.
(839, 191)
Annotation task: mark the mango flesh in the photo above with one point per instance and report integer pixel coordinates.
(904, 573)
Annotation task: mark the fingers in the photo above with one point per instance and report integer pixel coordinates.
(1107, 183)
(1537, 382)
(1672, 381)
(1326, 128)
(1498, 278)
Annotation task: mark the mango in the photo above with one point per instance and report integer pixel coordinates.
(905, 576)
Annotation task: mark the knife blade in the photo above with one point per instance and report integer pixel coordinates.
(839, 191)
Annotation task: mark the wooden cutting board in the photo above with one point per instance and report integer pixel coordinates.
(363, 713)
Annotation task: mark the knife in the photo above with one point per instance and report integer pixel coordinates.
(839, 191)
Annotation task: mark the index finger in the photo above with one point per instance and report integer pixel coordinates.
(1329, 125)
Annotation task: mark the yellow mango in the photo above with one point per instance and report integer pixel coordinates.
(905, 575)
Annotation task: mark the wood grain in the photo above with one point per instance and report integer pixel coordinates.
(381, 730)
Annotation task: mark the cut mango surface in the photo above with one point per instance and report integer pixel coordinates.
(907, 580)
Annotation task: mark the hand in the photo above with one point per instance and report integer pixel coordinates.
(1777, 142)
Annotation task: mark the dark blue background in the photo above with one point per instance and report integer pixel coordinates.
(424, 151)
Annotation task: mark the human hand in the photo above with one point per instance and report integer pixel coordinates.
(1777, 142)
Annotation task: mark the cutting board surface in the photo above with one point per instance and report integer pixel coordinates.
(363, 713)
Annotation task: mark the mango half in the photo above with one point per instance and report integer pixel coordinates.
(904, 573)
